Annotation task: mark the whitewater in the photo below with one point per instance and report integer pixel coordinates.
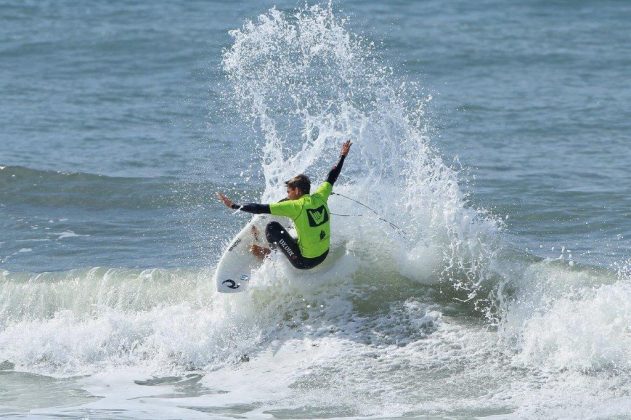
(445, 315)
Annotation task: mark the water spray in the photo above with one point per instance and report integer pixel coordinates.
(392, 225)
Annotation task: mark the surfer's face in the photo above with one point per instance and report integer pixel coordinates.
(293, 193)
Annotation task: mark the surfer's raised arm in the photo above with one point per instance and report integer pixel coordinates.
(335, 171)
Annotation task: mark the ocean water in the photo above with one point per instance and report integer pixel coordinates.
(495, 135)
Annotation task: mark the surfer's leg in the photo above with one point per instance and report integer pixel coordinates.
(278, 237)
(258, 251)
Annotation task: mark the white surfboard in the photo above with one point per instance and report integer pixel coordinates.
(237, 262)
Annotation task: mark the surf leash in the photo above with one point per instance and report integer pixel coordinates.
(392, 225)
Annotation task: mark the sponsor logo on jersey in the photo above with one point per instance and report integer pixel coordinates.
(317, 216)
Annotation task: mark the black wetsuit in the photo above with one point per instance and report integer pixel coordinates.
(278, 236)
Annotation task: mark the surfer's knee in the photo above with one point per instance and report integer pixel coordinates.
(273, 231)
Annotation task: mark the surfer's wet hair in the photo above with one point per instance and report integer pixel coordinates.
(302, 182)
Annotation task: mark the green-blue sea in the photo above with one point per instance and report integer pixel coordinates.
(490, 278)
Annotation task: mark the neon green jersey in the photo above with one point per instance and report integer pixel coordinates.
(310, 214)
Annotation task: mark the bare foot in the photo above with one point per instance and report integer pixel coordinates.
(259, 252)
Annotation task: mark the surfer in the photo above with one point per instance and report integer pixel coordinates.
(309, 212)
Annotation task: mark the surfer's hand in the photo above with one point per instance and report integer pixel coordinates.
(228, 202)
(346, 147)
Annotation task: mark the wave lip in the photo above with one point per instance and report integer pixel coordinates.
(591, 333)
(87, 292)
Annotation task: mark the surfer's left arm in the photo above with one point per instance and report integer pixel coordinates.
(249, 208)
(335, 171)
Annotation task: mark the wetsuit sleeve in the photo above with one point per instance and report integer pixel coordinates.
(287, 208)
(253, 208)
(335, 171)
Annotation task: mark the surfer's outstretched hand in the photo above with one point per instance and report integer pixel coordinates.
(346, 147)
(228, 202)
